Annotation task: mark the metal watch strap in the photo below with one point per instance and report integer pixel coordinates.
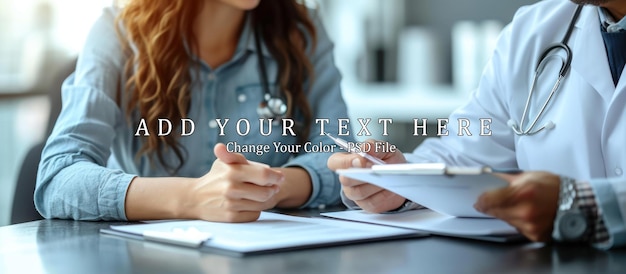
(570, 224)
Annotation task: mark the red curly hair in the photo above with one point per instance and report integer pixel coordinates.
(158, 69)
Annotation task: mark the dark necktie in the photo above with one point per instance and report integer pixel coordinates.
(615, 43)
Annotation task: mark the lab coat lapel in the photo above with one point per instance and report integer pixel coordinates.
(589, 54)
(621, 84)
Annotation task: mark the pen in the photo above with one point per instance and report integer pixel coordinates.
(352, 149)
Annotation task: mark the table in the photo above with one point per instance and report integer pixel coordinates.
(62, 246)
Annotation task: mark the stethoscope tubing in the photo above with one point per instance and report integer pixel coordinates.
(543, 59)
(272, 105)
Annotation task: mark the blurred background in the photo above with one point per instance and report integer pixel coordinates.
(400, 59)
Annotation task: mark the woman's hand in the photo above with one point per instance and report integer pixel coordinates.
(234, 190)
(367, 196)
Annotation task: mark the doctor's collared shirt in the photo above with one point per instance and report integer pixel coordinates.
(608, 22)
(90, 158)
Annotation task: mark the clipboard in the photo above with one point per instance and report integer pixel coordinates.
(445, 189)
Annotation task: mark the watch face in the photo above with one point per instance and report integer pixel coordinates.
(572, 226)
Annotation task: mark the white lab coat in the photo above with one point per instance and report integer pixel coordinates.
(589, 139)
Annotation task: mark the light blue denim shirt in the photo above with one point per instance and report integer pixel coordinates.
(89, 159)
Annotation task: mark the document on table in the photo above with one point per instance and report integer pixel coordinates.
(448, 190)
(431, 221)
(271, 232)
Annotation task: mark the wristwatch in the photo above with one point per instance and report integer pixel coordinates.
(570, 224)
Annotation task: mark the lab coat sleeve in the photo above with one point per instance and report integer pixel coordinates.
(488, 140)
(611, 199)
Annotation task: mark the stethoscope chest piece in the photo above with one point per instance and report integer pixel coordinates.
(272, 107)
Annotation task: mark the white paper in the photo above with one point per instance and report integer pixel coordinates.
(430, 221)
(454, 195)
(274, 231)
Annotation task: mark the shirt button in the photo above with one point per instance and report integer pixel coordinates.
(212, 124)
(321, 207)
(211, 76)
(241, 98)
(618, 171)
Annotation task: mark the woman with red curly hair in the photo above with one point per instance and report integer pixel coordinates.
(215, 68)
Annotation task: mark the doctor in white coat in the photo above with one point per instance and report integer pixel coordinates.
(580, 193)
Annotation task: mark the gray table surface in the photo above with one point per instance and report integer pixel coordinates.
(61, 246)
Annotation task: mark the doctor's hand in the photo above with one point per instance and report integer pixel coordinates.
(367, 196)
(235, 189)
(529, 203)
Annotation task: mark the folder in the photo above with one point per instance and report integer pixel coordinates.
(448, 190)
(272, 232)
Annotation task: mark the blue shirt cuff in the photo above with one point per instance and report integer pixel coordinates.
(325, 187)
(112, 197)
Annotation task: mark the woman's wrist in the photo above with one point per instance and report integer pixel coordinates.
(186, 207)
(159, 198)
(295, 189)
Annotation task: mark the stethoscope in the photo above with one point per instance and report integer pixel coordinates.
(272, 105)
(543, 60)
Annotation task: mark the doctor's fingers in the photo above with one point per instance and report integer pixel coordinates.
(382, 150)
(498, 198)
(348, 182)
(524, 201)
(361, 192)
(343, 160)
(527, 221)
(538, 195)
(381, 201)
